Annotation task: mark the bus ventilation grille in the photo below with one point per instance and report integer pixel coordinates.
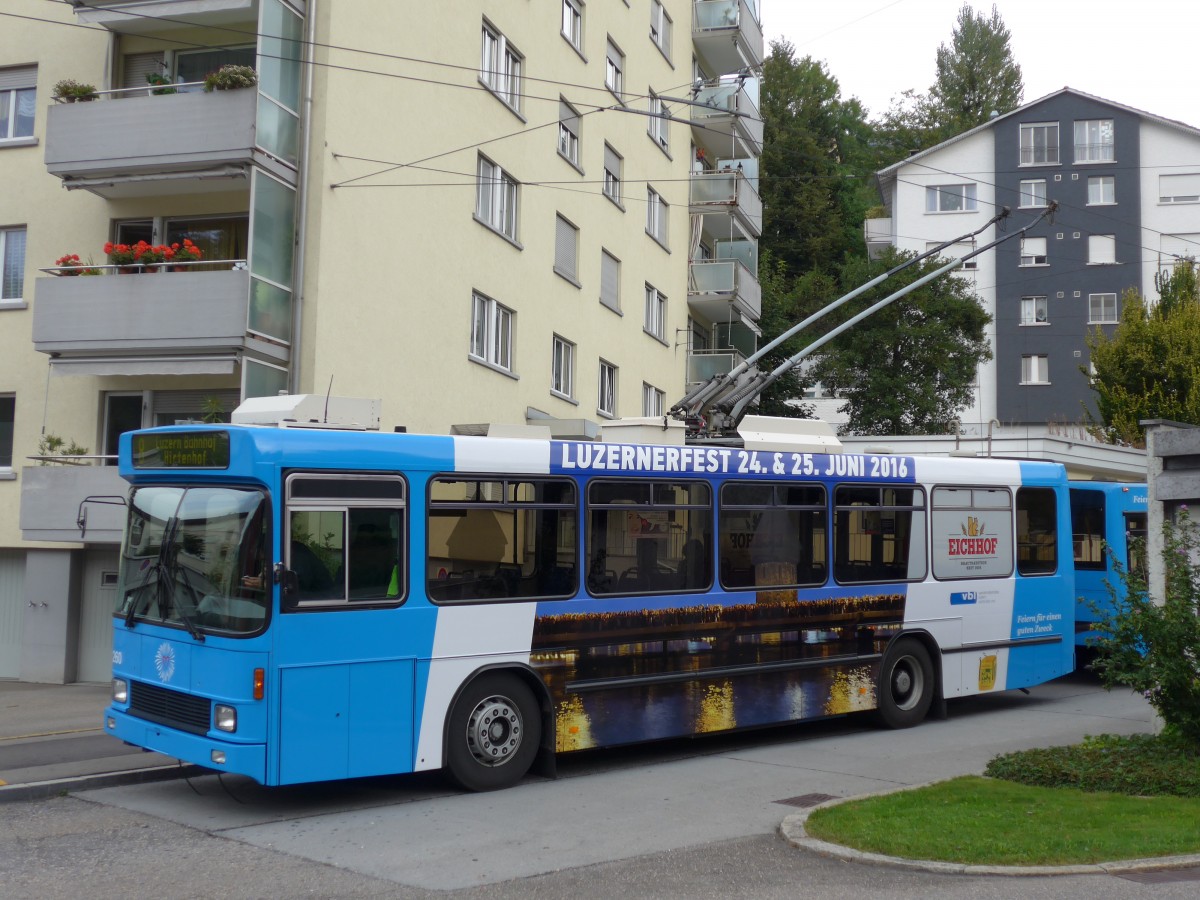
(167, 707)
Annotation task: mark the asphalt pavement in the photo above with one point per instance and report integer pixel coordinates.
(52, 741)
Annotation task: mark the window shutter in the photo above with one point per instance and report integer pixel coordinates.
(18, 77)
(565, 240)
(138, 65)
(610, 281)
(1179, 186)
(568, 117)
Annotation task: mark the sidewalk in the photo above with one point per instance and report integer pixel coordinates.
(52, 740)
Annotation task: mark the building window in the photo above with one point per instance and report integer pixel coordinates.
(657, 211)
(496, 199)
(500, 68)
(1034, 369)
(657, 122)
(572, 23)
(568, 133)
(1033, 192)
(655, 323)
(562, 375)
(612, 174)
(956, 251)
(1039, 144)
(1179, 188)
(660, 28)
(950, 198)
(606, 399)
(1033, 251)
(1102, 309)
(8, 410)
(1034, 311)
(566, 249)
(491, 332)
(1102, 249)
(653, 400)
(18, 102)
(1094, 140)
(610, 281)
(1102, 189)
(614, 69)
(12, 258)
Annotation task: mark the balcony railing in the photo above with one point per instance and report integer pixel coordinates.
(704, 364)
(177, 323)
(727, 109)
(1039, 156)
(727, 35)
(716, 285)
(126, 146)
(727, 192)
(1103, 152)
(52, 501)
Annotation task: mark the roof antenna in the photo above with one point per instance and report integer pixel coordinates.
(327, 391)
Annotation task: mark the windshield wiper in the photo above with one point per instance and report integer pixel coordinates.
(186, 618)
(158, 572)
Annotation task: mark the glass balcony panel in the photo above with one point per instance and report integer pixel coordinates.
(714, 22)
(704, 364)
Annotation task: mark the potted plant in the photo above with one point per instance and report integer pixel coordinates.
(71, 264)
(187, 252)
(160, 82)
(150, 254)
(230, 77)
(122, 255)
(71, 91)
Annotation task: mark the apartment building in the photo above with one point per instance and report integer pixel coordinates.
(1127, 184)
(537, 212)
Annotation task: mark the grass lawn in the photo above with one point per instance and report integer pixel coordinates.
(994, 821)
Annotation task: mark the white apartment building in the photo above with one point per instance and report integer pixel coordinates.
(537, 212)
(1128, 187)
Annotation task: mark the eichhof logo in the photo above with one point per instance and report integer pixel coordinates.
(164, 661)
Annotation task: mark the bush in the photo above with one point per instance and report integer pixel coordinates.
(1154, 647)
(1142, 765)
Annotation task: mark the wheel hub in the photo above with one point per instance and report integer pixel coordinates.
(494, 731)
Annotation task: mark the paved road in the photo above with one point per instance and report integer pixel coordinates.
(695, 819)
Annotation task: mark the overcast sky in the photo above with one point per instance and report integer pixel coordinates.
(1141, 53)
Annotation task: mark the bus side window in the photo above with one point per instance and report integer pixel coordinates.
(1037, 531)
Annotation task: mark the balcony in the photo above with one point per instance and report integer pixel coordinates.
(165, 15)
(704, 364)
(726, 121)
(726, 35)
(140, 146)
(51, 503)
(176, 323)
(723, 290)
(727, 192)
(878, 234)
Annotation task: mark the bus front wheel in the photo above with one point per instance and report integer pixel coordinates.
(494, 731)
(906, 684)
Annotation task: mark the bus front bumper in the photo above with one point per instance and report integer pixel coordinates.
(202, 750)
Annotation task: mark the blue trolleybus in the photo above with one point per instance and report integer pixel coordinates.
(299, 605)
(1108, 528)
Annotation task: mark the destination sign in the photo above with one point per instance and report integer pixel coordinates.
(181, 450)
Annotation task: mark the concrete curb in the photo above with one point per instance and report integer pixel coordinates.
(40, 790)
(792, 830)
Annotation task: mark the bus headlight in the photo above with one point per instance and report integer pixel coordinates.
(120, 690)
(225, 718)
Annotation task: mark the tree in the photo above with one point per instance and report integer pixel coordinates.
(910, 367)
(783, 305)
(814, 147)
(1150, 367)
(1153, 644)
(976, 74)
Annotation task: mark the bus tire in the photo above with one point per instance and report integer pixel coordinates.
(493, 733)
(906, 684)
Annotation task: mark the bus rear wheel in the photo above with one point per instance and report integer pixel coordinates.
(493, 734)
(906, 684)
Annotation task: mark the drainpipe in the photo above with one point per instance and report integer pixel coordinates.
(310, 12)
(992, 422)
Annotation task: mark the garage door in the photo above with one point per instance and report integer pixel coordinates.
(98, 596)
(12, 611)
